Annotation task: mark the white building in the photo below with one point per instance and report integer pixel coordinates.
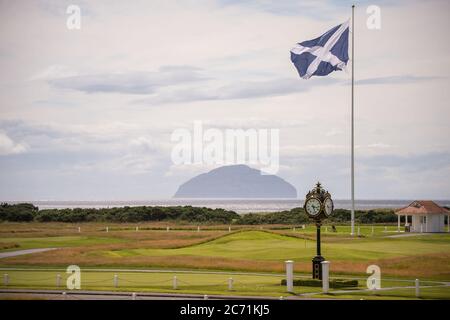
(426, 216)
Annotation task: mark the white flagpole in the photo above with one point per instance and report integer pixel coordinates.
(353, 140)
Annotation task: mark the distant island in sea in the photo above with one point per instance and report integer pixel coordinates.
(236, 181)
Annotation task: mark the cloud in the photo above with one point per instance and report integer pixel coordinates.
(399, 79)
(8, 146)
(130, 82)
(411, 163)
(252, 123)
(146, 145)
(320, 10)
(333, 132)
(54, 72)
(108, 138)
(310, 8)
(247, 81)
(385, 176)
(173, 84)
(238, 90)
(372, 150)
(116, 147)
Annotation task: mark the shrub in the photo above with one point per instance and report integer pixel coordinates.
(293, 216)
(27, 212)
(17, 212)
(334, 283)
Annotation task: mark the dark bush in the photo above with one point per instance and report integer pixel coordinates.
(335, 283)
(28, 212)
(17, 212)
(294, 216)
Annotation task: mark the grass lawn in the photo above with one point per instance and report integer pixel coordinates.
(245, 248)
(154, 282)
(206, 283)
(260, 245)
(397, 294)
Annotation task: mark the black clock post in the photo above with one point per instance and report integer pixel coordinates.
(317, 260)
(318, 206)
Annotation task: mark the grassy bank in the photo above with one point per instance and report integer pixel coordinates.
(247, 248)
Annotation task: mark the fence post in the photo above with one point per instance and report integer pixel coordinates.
(175, 284)
(116, 281)
(289, 276)
(417, 288)
(5, 279)
(79, 229)
(137, 228)
(205, 297)
(230, 284)
(167, 229)
(198, 228)
(325, 276)
(64, 295)
(359, 231)
(58, 280)
(107, 229)
(229, 229)
(133, 296)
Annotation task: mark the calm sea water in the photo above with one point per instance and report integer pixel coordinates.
(238, 205)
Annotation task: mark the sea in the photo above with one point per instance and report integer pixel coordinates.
(238, 205)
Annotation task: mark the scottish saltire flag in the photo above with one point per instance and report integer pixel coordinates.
(323, 55)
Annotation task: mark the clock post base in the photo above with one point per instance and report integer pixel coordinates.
(317, 267)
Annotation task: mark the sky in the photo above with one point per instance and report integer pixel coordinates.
(87, 114)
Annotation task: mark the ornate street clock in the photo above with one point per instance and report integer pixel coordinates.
(318, 206)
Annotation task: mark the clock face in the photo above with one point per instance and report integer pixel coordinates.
(312, 207)
(328, 204)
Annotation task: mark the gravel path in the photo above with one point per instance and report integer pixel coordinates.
(22, 252)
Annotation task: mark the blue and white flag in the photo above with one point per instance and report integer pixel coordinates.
(323, 55)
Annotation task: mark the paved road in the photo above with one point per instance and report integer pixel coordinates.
(22, 252)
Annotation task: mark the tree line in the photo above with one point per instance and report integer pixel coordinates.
(24, 212)
(29, 212)
(299, 216)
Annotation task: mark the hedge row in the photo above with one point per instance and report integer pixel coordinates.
(334, 283)
(299, 216)
(29, 212)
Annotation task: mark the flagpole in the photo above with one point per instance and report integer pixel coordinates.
(353, 139)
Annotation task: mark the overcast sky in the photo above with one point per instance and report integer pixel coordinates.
(87, 114)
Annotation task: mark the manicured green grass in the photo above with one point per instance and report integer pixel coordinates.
(401, 258)
(259, 245)
(155, 282)
(437, 292)
(205, 283)
(365, 230)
